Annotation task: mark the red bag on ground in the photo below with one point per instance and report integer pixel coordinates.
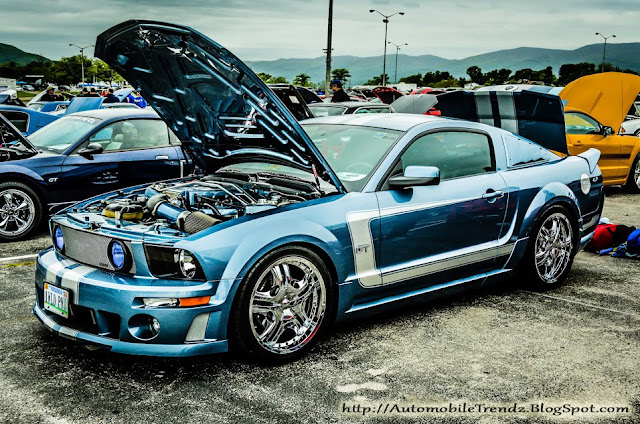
(603, 238)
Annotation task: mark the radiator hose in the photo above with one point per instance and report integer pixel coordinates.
(186, 221)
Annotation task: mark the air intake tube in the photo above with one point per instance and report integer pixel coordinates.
(187, 221)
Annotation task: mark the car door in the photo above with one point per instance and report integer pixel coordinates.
(434, 234)
(135, 151)
(584, 133)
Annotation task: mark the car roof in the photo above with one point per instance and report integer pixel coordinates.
(351, 104)
(390, 121)
(118, 113)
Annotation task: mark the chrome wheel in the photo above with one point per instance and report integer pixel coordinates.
(636, 174)
(17, 212)
(287, 305)
(553, 247)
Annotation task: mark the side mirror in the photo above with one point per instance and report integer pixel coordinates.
(91, 149)
(415, 176)
(606, 131)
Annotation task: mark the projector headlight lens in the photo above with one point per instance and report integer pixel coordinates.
(58, 239)
(186, 262)
(118, 255)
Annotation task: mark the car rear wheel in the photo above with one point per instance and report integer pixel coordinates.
(282, 307)
(551, 250)
(633, 182)
(20, 211)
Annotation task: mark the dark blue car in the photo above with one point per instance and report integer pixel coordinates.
(79, 156)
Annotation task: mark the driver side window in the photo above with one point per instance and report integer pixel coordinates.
(456, 153)
(131, 135)
(578, 123)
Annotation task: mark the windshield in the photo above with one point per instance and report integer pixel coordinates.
(353, 152)
(59, 135)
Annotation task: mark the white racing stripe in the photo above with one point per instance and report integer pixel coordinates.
(71, 279)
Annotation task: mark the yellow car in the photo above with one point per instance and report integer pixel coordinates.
(596, 106)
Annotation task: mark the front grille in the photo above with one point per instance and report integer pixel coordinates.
(91, 249)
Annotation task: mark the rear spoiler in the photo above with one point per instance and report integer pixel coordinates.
(536, 116)
(591, 156)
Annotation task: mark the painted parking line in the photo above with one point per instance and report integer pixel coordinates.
(17, 258)
(588, 305)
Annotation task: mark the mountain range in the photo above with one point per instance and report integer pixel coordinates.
(9, 53)
(623, 55)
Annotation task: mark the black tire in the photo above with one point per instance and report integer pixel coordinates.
(32, 216)
(539, 241)
(633, 181)
(244, 326)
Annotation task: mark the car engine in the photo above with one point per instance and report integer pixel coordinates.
(199, 203)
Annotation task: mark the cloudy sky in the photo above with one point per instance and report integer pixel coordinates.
(271, 29)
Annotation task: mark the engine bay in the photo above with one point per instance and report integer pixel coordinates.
(193, 205)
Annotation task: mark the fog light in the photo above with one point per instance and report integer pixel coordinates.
(160, 302)
(58, 239)
(118, 256)
(144, 327)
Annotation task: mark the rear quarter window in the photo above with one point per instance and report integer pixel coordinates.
(522, 152)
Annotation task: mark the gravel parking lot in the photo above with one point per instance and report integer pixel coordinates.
(500, 347)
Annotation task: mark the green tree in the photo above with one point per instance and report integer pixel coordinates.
(497, 76)
(340, 74)
(431, 78)
(572, 71)
(264, 76)
(302, 79)
(377, 80)
(412, 79)
(278, 80)
(475, 74)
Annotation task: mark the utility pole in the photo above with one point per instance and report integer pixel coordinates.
(604, 50)
(327, 77)
(385, 20)
(82, 55)
(397, 50)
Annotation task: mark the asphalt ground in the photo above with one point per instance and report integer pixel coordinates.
(501, 347)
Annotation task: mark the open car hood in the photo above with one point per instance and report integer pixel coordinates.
(536, 116)
(11, 136)
(605, 97)
(415, 103)
(80, 104)
(387, 95)
(217, 106)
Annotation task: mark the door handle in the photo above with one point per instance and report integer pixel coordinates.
(492, 195)
(162, 157)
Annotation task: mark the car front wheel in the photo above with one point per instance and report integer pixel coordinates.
(20, 211)
(633, 182)
(551, 250)
(282, 307)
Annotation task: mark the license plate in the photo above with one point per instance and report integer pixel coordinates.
(56, 300)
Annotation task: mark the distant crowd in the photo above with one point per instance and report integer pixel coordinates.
(134, 97)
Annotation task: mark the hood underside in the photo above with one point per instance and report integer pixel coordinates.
(217, 106)
(605, 97)
(536, 116)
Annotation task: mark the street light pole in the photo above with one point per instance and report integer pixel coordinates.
(327, 77)
(384, 59)
(397, 50)
(604, 50)
(82, 56)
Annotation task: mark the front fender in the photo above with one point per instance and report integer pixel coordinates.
(9, 171)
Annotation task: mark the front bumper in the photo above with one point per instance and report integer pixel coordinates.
(102, 303)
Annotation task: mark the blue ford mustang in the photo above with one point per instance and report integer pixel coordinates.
(295, 227)
(78, 156)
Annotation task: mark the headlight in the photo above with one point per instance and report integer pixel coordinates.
(169, 262)
(585, 183)
(186, 262)
(118, 255)
(58, 239)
